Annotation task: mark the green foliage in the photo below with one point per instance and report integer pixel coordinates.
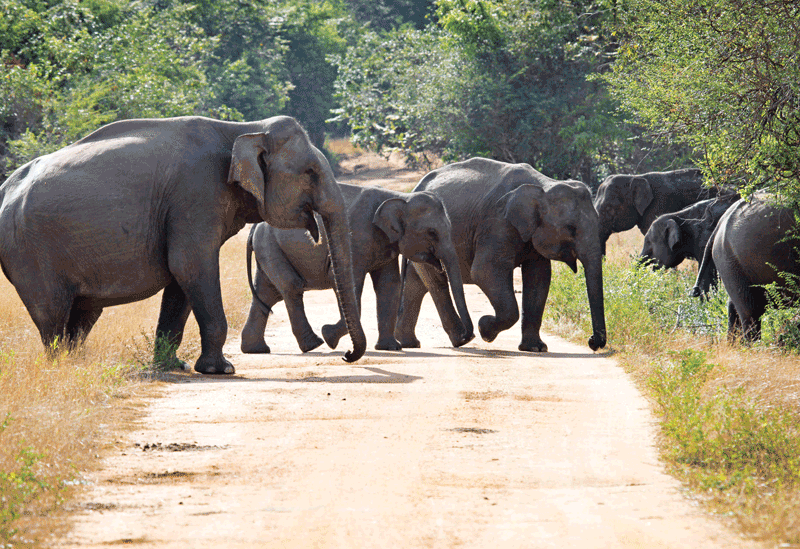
(507, 79)
(389, 14)
(658, 300)
(721, 76)
(19, 486)
(780, 324)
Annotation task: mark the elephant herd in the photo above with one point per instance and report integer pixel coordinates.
(747, 243)
(141, 206)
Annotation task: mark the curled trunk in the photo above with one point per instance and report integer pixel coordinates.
(339, 244)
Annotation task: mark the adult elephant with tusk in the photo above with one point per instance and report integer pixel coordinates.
(144, 205)
(505, 216)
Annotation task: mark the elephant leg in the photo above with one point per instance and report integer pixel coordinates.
(196, 272)
(386, 282)
(497, 282)
(535, 288)
(172, 319)
(436, 284)
(253, 331)
(302, 330)
(410, 304)
(332, 333)
(82, 319)
(734, 323)
(48, 303)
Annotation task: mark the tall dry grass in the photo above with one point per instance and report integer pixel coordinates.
(57, 415)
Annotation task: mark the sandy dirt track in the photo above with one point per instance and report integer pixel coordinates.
(479, 447)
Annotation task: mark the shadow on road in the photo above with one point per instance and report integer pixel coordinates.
(379, 376)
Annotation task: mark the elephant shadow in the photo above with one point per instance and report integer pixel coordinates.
(379, 375)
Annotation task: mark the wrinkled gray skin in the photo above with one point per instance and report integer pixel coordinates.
(749, 248)
(505, 216)
(384, 224)
(144, 205)
(684, 234)
(627, 201)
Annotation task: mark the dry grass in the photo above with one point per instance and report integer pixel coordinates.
(60, 413)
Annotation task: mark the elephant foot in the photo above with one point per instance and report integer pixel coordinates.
(331, 334)
(255, 347)
(408, 342)
(214, 367)
(538, 346)
(388, 344)
(171, 363)
(310, 342)
(486, 328)
(462, 339)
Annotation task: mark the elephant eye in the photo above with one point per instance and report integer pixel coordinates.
(432, 234)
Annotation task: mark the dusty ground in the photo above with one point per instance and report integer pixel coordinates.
(480, 447)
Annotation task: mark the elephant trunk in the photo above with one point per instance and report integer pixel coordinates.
(449, 260)
(330, 206)
(593, 267)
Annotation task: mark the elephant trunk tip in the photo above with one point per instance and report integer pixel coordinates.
(358, 351)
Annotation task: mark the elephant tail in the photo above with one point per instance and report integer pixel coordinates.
(266, 309)
(707, 273)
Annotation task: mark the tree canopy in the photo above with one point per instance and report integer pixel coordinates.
(576, 88)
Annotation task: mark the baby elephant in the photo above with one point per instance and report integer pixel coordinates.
(754, 242)
(383, 224)
(676, 236)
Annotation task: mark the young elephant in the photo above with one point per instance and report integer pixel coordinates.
(625, 201)
(674, 237)
(753, 243)
(384, 224)
(505, 216)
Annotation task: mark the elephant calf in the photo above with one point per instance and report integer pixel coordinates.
(624, 201)
(674, 237)
(384, 224)
(754, 242)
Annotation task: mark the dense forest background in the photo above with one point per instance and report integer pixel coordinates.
(576, 88)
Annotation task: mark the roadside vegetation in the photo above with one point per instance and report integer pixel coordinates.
(730, 424)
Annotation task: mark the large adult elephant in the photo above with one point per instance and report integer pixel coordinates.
(505, 216)
(624, 201)
(144, 205)
(754, 242)
(385, 224)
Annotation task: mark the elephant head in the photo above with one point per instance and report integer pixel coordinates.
(664, 242)
(291, 179)
(420, 226)
(560, 221)
(621, 202)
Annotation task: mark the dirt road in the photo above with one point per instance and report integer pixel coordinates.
(478, 447)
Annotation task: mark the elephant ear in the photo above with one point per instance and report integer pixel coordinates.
(389, 218)
(245, 165)
(642, 194)
(673, 234)
(523, 208)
